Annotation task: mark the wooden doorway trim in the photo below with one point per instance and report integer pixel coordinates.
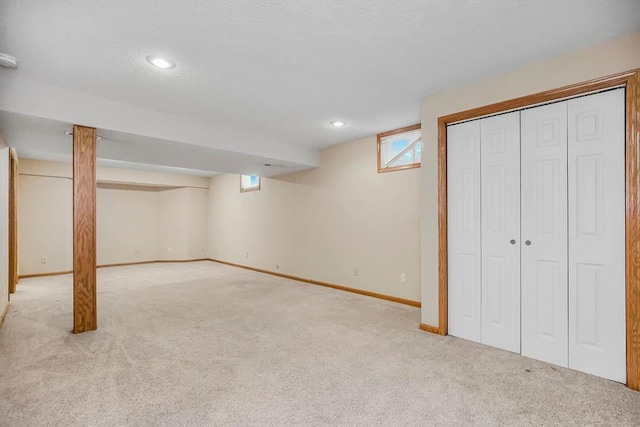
(13, 220)
(84, 229)
(630, 79)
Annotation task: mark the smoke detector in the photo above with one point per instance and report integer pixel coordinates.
(8, 61)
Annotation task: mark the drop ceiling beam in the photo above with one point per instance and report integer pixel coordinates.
(25, 97)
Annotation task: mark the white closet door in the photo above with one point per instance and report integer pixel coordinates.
(544, 233)
(463, 222)
(500, 166)
(597, 235)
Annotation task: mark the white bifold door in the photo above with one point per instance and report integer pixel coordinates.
(464, 242)
(544, 231)
(596, 147)
(500, 212)
(536, 232)
(483, 250)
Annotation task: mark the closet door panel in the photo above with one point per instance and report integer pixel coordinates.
(500, 195)
(597, 234)
(464, 230)
(544, 233)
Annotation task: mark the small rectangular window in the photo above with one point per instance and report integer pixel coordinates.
(249, 183)
(400, 149)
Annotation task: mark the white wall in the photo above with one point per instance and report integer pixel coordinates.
(172, 224)
(4, 225)
(612, 57)
(198, 226)
(320, 224)
(137, 219)
(45, 224)
(182, 224)
(127, 226)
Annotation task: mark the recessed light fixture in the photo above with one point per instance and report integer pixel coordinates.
(8, 61)
(337, 123)
(69, 133)
(161, 62)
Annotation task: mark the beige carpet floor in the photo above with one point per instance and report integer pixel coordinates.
(207, 344)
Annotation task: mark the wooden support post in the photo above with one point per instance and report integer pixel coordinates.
(13, 220)
(85, 316)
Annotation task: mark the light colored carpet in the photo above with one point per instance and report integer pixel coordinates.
(206, 344)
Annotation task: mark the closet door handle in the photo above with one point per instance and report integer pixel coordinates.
(513, 242)
(528, 242)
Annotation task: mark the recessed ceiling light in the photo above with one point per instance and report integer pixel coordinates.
(160, 62)
(337, 123)
(8, 61)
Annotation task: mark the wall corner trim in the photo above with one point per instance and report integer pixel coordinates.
(429, 328)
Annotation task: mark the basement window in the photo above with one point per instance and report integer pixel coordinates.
(249, 183)
(400, 149)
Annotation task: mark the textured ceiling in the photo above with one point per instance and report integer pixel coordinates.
(280, 70)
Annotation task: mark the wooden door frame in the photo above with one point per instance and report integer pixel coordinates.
(630, 79)
(13, 220)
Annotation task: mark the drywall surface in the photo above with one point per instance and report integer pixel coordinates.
(601, 60)
(172, 224)
(326, 223)
(182, 224)
(136, 220)
(45, 224)
(198, 226)
(127, 224)
(4, 226)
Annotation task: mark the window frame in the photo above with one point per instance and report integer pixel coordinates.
(247, 190)
(395, 132)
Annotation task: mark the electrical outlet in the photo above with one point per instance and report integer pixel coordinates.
(169, 249)
(403, 277)
(43, 260)
(355, 271)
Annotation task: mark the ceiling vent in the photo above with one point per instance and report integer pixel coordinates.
(8, 61)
